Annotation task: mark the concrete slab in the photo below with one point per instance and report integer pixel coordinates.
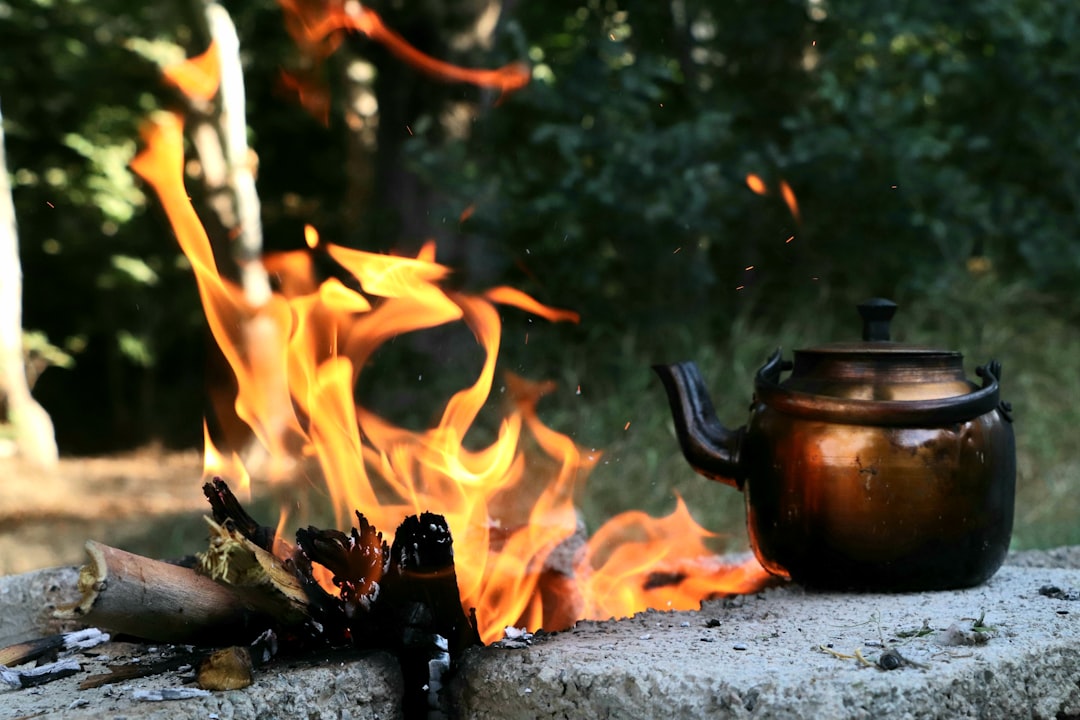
(781, 653)
(339, 687)
(778, 654)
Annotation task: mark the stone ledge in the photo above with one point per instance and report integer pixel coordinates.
(760, 656)
(365, 687)
(749, 656)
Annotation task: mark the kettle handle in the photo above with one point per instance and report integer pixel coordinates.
(888, 413)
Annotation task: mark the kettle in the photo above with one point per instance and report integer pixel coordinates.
(874, 465)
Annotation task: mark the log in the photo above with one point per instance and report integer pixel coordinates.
(28, 603)
(153, 600)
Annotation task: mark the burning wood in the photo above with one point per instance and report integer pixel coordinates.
(403, 598)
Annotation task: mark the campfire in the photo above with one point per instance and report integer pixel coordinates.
(438, 545)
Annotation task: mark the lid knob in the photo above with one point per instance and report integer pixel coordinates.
(876, 314)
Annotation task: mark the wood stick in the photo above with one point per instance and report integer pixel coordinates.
(28, 650)
(17, 679)
(267, 585)
(153, 600)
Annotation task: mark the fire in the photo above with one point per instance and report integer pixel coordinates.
(197, 77)
(758, 186)
(789, 199)
(640, 561)
(507, 517)
(216, 465)
(318, 26)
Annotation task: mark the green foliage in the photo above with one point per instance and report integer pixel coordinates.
(102, 277)
(912, 140)
(919, 141)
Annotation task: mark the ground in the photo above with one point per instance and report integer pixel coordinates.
(146, 501)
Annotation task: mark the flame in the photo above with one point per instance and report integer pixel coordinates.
(311, 236)
(317, 27)
(756, 184)
(789, 199)
(507, 517)
(197, 77)
(635, 561)
(215, 465)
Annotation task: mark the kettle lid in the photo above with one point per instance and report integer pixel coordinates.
(877, 313)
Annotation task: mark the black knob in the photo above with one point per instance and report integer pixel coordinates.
(876, 314)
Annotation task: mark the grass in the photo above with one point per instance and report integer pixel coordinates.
(622, 412)
(982, 317)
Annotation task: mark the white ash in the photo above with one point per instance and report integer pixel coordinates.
(17, 679)
(85, 639)
(437, 667)
(514, 638)
(168, 694)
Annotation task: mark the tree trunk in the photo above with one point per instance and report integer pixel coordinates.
(33, 428)
(219, 135)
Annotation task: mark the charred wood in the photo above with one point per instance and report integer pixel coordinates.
(226, 507)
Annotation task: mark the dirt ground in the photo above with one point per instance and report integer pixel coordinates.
(147, 500)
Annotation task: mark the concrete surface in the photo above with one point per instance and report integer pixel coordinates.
(364, 687)
(755, 656)
(761, 656)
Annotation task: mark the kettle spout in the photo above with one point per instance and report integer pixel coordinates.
(711, 448)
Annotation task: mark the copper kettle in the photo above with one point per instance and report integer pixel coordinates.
(875, 465)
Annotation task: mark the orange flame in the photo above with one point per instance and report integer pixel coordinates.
(755, 183)
(197, 77)
(507, 519)
(758, 186)
(317, 27)
(789, 199)
(216, 465)
(635, 562)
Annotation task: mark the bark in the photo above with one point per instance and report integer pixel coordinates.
(34, 433)
(156, 601)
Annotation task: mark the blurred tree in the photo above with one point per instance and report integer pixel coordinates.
(103, 280)
(914, 139)
(33, 428)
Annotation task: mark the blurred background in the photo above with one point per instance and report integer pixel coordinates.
(933, 153)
